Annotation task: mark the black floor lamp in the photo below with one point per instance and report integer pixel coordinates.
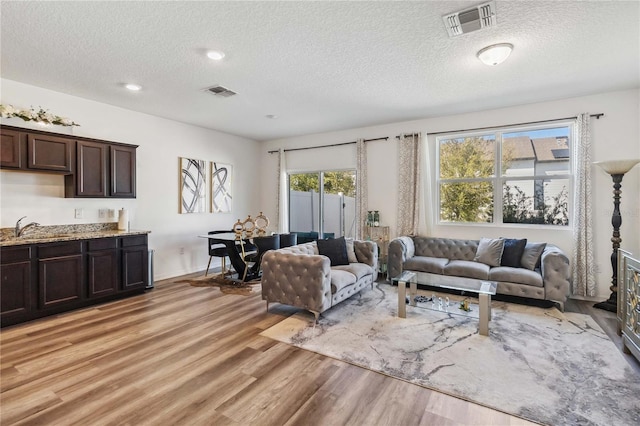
(617, 170)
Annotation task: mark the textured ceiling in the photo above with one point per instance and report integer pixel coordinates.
(318, 66)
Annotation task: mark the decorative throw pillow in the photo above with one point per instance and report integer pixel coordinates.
(531, 255)
(351, 251)
(512, 252)
(335, 249)
(489, 251)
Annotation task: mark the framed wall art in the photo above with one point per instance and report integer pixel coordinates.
(221, 195)
(193, 191)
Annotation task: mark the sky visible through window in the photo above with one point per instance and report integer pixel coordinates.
(542, 133)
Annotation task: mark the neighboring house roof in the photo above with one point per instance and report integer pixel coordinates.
(519, 148)
(551, 149)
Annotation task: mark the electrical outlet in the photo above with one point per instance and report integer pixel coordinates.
(112, 213)
(102, 213)
(79, 213)
(181, 250)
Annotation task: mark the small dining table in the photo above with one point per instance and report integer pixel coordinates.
(235, 252)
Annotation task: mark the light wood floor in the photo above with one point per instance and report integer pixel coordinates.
(191, 355)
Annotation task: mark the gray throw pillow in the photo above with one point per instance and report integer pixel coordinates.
(489, 251)
(531, 256)
(351, 251)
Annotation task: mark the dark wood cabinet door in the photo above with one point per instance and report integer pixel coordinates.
(15, 290)
(102, 276)
(60, 280)
(13, 149)
(92, 171)
(52, 153)
(134, 267)
(123, 171)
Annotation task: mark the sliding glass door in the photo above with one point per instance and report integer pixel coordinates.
(322, 204)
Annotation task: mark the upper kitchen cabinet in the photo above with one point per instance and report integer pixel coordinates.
(92, 171)
(103, 170)
(36, 151)
(93, 168)
(123, 171)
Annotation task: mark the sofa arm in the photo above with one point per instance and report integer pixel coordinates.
(298, 280)
(367, 252)
(556, 274)
(400, 249)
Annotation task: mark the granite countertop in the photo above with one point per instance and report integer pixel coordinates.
(57, 233)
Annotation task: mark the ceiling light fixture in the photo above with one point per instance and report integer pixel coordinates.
(495, 54)
(133, 87)
(271, 116)
(216, 55)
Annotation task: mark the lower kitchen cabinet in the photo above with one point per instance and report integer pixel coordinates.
(134, 262)
(102, 273)
(44, 279)
(60, 274)
(60, 281)
(15, 284)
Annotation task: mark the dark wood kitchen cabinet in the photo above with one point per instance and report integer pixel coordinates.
(49, 278)
(93, 168)
(13, 149)
(36, 151)
(15, 283)
(102, 267)
(123, 171)
(103, 170)
(134, 262)
(91, 171)
(60, 274)
(53, 153)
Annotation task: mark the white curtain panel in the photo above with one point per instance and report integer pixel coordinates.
(409, 184)
(362, 188)
(283, 194)
(582, 264)
(426, 193)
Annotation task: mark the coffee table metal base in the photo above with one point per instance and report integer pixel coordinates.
(484, 302)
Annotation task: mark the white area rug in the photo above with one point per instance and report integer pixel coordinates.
(540, 364)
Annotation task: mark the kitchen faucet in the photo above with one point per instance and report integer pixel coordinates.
(19, 230)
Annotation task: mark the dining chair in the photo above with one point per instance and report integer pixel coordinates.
(263, 244)
(217, 250)
(288, 240)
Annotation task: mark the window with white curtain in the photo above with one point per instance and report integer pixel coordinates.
(506, 176)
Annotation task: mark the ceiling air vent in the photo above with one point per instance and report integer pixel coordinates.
(221, 91)
(466, 21)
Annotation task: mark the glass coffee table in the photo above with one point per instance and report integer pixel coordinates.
(483, 288)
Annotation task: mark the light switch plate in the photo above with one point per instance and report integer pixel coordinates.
(79, 213)
(102, 213)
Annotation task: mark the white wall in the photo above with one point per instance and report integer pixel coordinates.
(161, 142)
(614, 136)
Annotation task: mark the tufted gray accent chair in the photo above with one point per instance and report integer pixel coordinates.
(299, 276)
(446, 256)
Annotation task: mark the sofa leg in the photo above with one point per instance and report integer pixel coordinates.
(316, 316)
(560, 305)
(267, 306)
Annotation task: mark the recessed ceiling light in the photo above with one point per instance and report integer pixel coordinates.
(133, 87)
(272, 116)
(495, 54)
(216, 55)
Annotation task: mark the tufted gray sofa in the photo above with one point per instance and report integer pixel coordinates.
(301, 277)
(454, 257)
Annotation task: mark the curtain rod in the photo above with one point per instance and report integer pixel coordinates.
(326, 146)
(597, 116)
